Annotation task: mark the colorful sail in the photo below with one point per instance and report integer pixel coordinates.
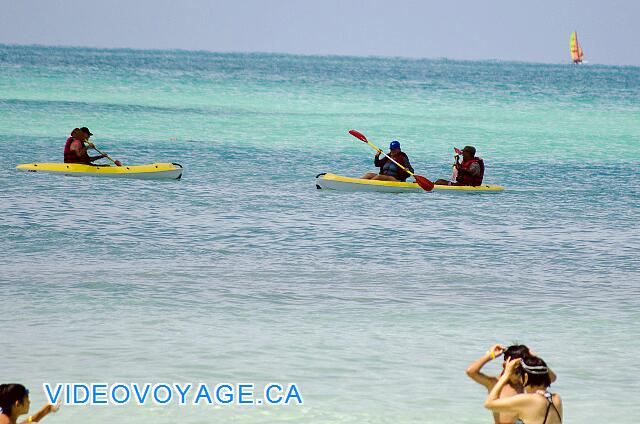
(576, 50)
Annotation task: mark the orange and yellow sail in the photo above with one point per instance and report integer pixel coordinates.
(576, 50)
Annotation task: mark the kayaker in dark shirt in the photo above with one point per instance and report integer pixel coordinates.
(468, 173)
(389, 171)
(75, 150)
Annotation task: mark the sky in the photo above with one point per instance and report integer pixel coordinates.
(531, 31)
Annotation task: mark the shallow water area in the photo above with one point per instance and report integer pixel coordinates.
(373, 303)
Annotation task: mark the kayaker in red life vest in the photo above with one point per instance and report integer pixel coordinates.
(470, 171)
(75, 150)
(389, 171)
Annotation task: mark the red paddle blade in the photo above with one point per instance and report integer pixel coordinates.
(425, 184)
(458, 151)
(358, 135)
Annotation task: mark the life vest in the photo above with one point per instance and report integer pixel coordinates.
(389, 168)
(72, 157)
(465, 177)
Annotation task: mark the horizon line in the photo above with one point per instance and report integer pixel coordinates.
(373, 56)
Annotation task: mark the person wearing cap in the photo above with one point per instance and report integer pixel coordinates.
(537, 405)
(511, 387)
(470, 172)
(389, 171)
(75, 150)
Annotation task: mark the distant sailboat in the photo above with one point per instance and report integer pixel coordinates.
(576, 50)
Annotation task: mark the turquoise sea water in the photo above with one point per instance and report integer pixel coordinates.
(374, 304)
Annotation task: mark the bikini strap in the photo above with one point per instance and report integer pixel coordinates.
(546, 414)
(549, 397)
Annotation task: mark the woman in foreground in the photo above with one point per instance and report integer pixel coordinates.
(537, 405)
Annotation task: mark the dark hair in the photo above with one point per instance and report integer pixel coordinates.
(516, 351)
(9, 394)
(471, 149)
(536, 371)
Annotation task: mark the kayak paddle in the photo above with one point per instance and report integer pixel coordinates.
(424, 183)
(83, 137)
(116, 162)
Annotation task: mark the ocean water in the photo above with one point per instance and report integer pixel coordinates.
(374, 304)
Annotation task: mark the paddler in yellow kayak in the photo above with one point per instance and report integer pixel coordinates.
(389, 171)
(75, 150)
(468, 173)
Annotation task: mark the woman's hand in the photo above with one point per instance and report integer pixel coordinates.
(496, 350)
(512, 365)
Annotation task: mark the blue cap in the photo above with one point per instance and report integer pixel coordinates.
(395, 144)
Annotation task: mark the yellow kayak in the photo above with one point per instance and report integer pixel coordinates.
(153, 171)
(338, 182)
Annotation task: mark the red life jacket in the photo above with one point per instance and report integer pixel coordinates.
(465, 177)
(72, 157)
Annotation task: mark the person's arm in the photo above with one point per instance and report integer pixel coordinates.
(512, 404)
(94, 158)
(379, 162)
(473, 370)
(407, 164)
(43, 412)
(474, 170)
(80, 150)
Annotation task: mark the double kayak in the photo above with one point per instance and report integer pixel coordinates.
(153, 171)
(329, 181)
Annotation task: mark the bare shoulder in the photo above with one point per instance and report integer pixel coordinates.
(557, 400)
